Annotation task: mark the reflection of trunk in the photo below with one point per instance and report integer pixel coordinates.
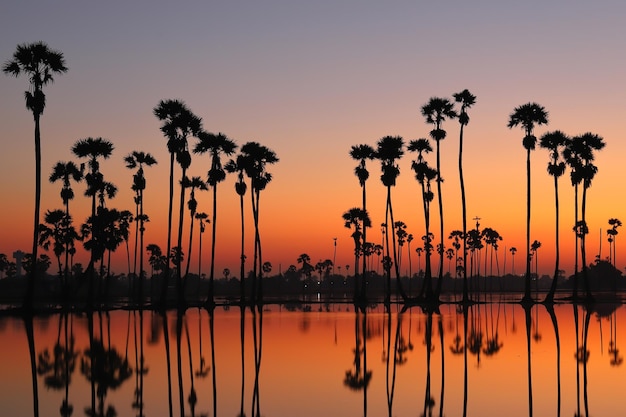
(392, 362)
(530, 381)
(465, 314)
(192, 399)
(258, 350)
(443, 368)
(212, 335)
(166, 337)
(550, 310)
(365, 371)
(30, 336)
(179, 365)
(242, 333)
(429, 402)
(585, 334)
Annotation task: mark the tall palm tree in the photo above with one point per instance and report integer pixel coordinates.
(424, 174)
(528, 115)
(388, 150)
(358, 219)
(40, 64)
(362, 153)
(257, 157)
(586, 144)
(137, 159)
(238, 165)
(216, 145)
(612, 232)
(554, 142)
(178, 123)
(195, 183)
(66, 172)
(513, 251)
(436, 111)
(467, 100)
(53, 232)
(93, 149)
(202, 218)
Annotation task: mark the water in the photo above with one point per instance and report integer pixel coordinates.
(328, 361)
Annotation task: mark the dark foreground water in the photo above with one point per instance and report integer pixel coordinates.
(324, 360)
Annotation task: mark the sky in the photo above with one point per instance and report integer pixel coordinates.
(309, 80)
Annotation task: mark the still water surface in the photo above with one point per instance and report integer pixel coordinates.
(496, 359)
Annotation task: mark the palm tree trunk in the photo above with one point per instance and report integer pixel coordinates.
(179, 243)
(30, 286)
(527, 296)
(364, 266)
(141, 232)
(440, 202)
(395, 252)
(242, 265)
(214, 229)
(189, 250)
(550, 296)
(258, 243)
(583, 249)
(166, 274)
(464, 209)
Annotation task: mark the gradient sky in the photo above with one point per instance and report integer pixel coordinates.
(309, 80)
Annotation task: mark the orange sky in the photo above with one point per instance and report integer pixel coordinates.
(310, 81)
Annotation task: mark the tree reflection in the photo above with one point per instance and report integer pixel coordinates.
(57, 368)
(615, 358)
(550, 309)
(358, 378)
(105, 368)
(493, 343)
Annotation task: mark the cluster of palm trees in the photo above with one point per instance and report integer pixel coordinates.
(575, 153)
(107, 228)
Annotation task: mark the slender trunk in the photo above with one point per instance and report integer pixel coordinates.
(258, 243)
(213, 231)
(583, 249)
(550, 296)
(166, 272)
(440, 202)
(179, 244)
(141, 232)
(364, 265)
(527, 296)
(395, 252)
(427, 286)
(256, 251)
(30, 286)
(575, 290)
(464, 207)
(242, 265)
(189, 250)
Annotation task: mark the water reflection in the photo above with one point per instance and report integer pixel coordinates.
(468, 361)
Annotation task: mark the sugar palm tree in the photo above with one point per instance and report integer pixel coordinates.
(66, 172)
(362, 153)
(202, 218)
(436, 111)
(178, 123)
(195, 183)
(424, 174)
(53, 232)
(94, 149)
(389, 150)
(217, 145)
(467, 100)
(513, 251)
(554, 142)
(257, 157)
(586, 144)
(612, 232)
(528, 116)
(40, 64)
(137, 160)
(238, 165)
(357, 219)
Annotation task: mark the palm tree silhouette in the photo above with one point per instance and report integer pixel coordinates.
(467, 100)
(424, 175)
(528, 115)
(359, 220)
(66, 172)
(59, 232)
(202, 218)
(436, 111)
(40, 64)
(257, 158)
(216, 145)
(193, 183)
(584, 146)
(178, 123)
(554, 142)
(612, 232)
(362, 153)
(93, 149)
(491, 238)
(389, 150)
(513, 251)
(137, 159)
(238, 165)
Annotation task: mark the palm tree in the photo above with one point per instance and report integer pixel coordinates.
(554, 142)
(216, 145)
(137, 159)
(612, 232)
(178, 123)
(534, 248)
(66, 171)
(202, 218)
(436, 111)
(528, 115)
(467, 100)
(52, 232)
(586, 144)
(39, 63)
(491, 237)
(257, 157)
(359, 220)
(424, 174)
(238, 165)
(93, 149)
(389, 149)
(362, 153)
(193, 183)
(513, 250)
